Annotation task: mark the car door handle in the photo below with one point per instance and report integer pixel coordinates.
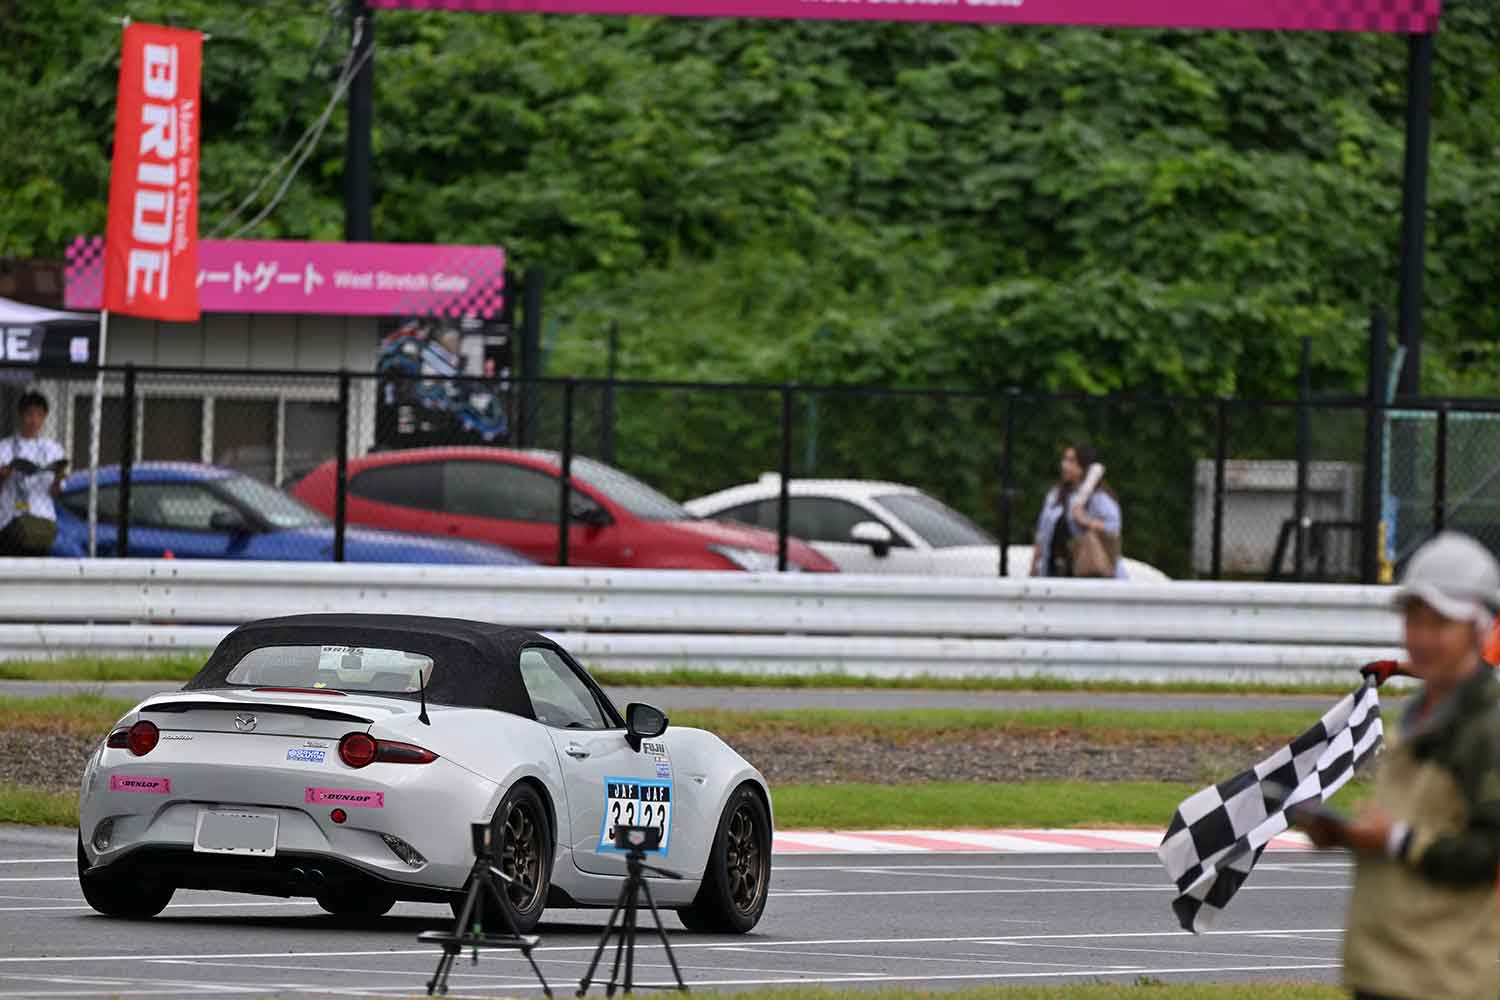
(576, 752)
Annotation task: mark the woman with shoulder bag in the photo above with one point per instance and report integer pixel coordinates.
(1078, 531)
(31, 474)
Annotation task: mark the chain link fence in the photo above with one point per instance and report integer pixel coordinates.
(413, 465)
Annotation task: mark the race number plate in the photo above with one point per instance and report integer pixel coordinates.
(231, 832)
(636, 802)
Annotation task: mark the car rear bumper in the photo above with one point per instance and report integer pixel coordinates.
(289, 873)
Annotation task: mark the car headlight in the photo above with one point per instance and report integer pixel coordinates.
(750, 560)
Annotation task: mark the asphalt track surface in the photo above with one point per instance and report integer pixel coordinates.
(751, 699)
(928, 921)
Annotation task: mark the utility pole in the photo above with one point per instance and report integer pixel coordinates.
(358, 189)
(1414, 208)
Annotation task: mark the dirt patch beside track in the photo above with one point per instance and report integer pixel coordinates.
(55, 761)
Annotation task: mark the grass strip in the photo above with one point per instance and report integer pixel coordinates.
(1145, 988)
(37, 807)
(71, 714)
(898, 725)
(949, 805)
(181, 666)
(93, 713)
(930, 806)
(102, 669)
(698, 677)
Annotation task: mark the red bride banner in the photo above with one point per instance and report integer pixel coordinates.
(1390, 16)
(151, 267)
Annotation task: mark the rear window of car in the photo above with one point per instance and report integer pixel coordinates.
(338, 668)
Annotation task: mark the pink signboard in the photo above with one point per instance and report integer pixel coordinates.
(346, 279)
(1394, 16)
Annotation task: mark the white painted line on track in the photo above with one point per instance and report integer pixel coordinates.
(195, 989)
(1102, 888)
(38, 861)
(499, 957)
(39, 878)
(770, 946)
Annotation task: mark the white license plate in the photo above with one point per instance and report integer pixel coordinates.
(223, 831)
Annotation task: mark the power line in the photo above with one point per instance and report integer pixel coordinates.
(302, 148)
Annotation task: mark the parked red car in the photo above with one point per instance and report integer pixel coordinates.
(510, 497)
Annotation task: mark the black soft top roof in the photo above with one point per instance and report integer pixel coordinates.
(478, 663)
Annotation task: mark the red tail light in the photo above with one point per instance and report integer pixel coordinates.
(391, 752)
(142, 738)
(361, 749)
(357, 749)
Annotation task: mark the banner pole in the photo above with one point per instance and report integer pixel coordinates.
(94, 434)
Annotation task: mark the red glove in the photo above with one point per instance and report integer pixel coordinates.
(1382, 671)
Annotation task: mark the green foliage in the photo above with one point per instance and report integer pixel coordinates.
(867, 204)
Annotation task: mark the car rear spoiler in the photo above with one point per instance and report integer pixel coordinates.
(255, 706)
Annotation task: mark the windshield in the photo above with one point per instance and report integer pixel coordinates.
(339, 668)
(940, 526)
(629, 492)
(268, 503)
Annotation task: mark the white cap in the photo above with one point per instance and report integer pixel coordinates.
(1454, 575)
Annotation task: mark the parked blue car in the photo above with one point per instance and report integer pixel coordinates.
(205, 512)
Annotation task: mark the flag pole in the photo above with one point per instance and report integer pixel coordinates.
(95, 433)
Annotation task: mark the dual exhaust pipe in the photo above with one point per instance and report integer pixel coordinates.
(309, 877)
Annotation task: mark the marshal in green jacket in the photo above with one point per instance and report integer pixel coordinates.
(1424, 921)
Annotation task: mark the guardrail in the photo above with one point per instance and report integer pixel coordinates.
(772, 623)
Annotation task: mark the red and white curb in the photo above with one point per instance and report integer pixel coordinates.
(986, 842)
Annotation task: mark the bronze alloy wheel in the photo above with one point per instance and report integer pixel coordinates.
(747, 860)
(521, 854)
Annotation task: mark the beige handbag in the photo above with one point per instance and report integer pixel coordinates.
(1095, 554)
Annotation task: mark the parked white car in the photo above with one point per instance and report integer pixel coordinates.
(865, 526)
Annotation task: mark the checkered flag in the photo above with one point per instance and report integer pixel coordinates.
(1217, 835)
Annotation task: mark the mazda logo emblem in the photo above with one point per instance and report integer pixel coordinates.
(244, 723)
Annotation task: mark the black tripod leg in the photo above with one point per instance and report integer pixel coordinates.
(661, 932)
(614, 975)
(546, 989)
(631, 912)
(609, 925)
(439, 981)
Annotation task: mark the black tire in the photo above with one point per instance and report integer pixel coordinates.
(522, 839)
(737, 881)
(363, 904)
(126, 898)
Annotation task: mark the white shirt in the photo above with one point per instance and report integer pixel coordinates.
(28, 494)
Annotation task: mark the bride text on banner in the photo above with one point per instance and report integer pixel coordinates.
(151, 257)
(1395, 16)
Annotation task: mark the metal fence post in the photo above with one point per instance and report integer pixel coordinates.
(1007, 478)
(565, 489)
(784, 501)
(1304, 446)
(341, 471)
(607, 398)
(127, 462)
(1440, 473)
(1374, 486)
(1221, 458)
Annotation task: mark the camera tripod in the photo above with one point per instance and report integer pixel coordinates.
(468, 929)
(628, 904)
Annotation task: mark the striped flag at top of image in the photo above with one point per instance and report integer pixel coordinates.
(1217, 835)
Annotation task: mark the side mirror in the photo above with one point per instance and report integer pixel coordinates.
(585, 511)
(643, 722)
(874, 534)
(227, 520)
